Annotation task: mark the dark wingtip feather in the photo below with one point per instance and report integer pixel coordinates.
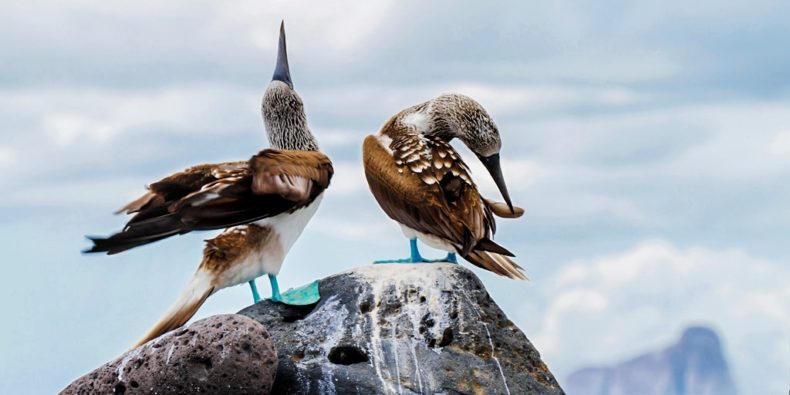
(97, 242)
(489, 245)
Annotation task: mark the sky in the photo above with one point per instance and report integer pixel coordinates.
(649, 143)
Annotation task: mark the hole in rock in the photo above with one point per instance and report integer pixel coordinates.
(297, 356)
(296, 313)
(119, 389)
(365, 307)
(205, 362)
(447, 337)
(347, 355)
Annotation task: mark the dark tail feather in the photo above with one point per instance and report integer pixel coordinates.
(496, 263)
(113, 246)
(490, 246)
(137, 234)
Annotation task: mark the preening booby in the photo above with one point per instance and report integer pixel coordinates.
(263, 204)
(422, 183)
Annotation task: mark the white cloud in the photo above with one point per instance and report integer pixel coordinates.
(92, 131)
(781, 144)
(736, 132)
(204, 30)
(501, 100)
(100, 115)
(106, 194)
(6, 157)
(634, 65)
(613, 307)
(536, 98)
(340, 26)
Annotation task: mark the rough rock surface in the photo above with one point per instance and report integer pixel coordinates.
(401, 328)
(695, 365)
(228, 354)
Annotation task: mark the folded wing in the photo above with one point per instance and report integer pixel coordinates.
(216, 196)
(424, 185)
(431, 193)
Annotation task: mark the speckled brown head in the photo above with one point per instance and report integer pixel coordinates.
(283, 109)
(464, 118)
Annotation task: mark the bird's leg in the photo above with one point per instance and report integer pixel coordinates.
(449, 258)
(415, 252)
(255, 297)
(414, 257)
(276, 297)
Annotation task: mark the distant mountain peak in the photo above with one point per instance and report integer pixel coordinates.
(695, 365)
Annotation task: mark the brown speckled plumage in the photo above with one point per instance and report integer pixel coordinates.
(421, 182)
(234, 245)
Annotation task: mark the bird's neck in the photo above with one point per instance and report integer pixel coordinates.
(435, 119)
(285, 119)
(293, 140)
(290, 131)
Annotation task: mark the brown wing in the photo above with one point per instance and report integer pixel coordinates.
(224, 195)
(425, 185)
(294, 176)
(177, 186)
(180, 184)
(290, 174)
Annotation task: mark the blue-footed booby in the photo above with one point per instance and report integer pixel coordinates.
(422, 183)
(263, 204)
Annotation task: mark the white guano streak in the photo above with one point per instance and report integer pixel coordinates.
(490, 341)
(132, 354)
(431, 284)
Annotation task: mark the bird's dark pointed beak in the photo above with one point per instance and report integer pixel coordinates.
(492, 164)
(281, 71)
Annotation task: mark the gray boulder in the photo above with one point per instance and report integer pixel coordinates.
(222, 354)
(402, 328)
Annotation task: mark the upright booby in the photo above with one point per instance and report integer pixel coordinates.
(263, 204)
(422, 183)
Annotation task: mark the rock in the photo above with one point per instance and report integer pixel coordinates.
(695, 365)
(402, 328)
(228, 354)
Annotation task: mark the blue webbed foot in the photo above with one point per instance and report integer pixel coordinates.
(302, 296)
(414, 258)
(404, 260)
